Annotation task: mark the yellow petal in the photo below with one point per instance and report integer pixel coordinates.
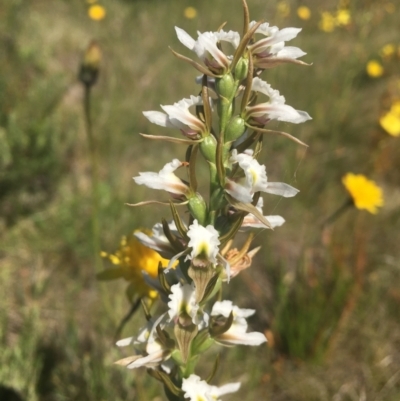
(390, 122)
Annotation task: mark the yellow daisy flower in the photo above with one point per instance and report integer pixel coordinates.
(390, 121)
(374, 69)
(190, 12)
(96, 12)
(343, 17)
(304, 13)
(388, 51)
(327, 22)
(130, 259)
(364, 192)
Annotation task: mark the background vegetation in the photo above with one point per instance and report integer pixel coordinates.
(328, 299)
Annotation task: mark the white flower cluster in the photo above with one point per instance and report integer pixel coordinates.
(200, 253)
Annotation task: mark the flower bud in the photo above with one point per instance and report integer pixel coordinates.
(89, 70)
(235, 129)
(198, 208)
(208, 148)
(225, 86)
(241, 69)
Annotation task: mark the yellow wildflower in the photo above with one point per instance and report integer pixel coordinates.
(343, 17)
(130, 259)
(190, 12)
(364, 192)
(374, 69)
(390, 121)
(327, 22)
(388, 51)
(304, 13)
(283, 8)
(96, 12)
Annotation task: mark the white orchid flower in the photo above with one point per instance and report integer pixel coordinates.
(157, 240)
(199, 390)
(178, 116)
(255, 180)
(165, 179)
(154, 353)
(271, 50)
(206, 46)
(237, 332)
(183, 300)
(204, 242)
(252, 221)
(275, 109)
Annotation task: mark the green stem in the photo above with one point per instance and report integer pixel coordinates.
(95, 177)
(337, 213)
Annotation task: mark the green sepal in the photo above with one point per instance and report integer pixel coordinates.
(212, 287)
(178, 222)
(233, 229)
(110, 274)
(249, 208)
(173, 240)
(163, 281)
(163, 377)
(145, 308)
(164, 338)
(217, 330)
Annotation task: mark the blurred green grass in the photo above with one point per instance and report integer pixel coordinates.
(328, 300)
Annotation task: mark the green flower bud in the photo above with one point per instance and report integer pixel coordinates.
(208, 148)
(225, 86)
(241, 69)
(235, 129)
(198, 208)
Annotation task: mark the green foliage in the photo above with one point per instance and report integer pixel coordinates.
(32, 139)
